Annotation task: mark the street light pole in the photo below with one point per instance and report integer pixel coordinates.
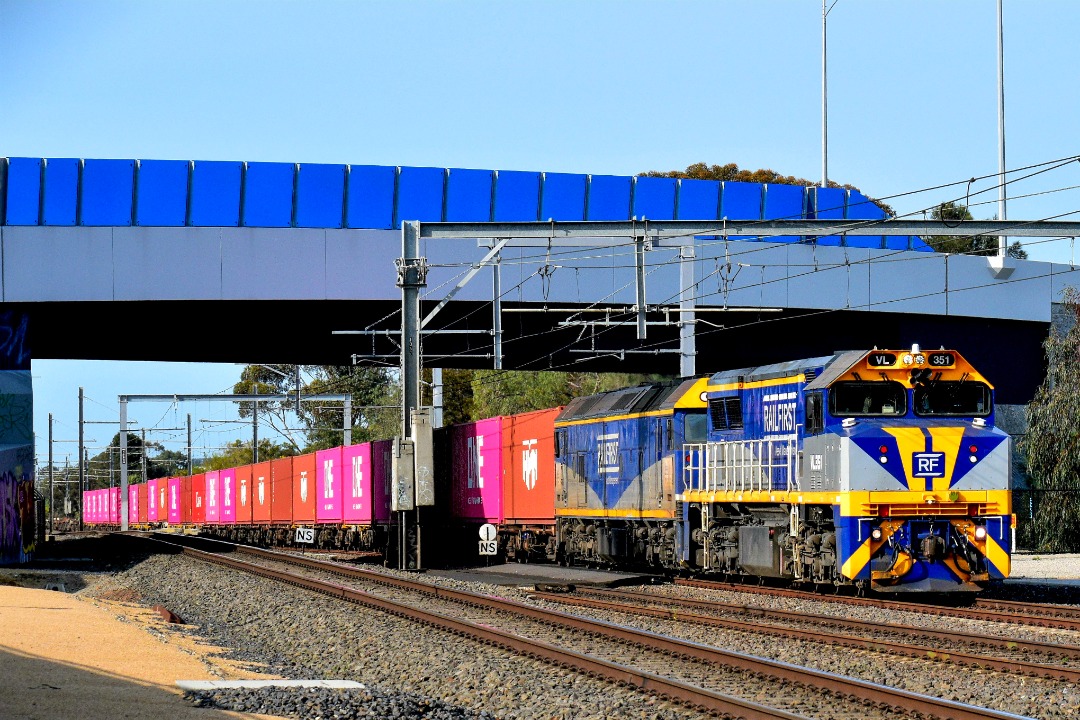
(1003, 242)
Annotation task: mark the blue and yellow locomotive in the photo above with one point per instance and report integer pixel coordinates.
(880, 469)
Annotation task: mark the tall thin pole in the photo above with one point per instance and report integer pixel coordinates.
(824, 101)
(52, 510)
(190, 460)
(123, 466)
(82, 460)
(1003, 242)
(255, 425)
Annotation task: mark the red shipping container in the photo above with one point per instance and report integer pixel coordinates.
(185, 499)
(243, 495)
(143, 506)
(261, 492)
(304, 475)
(382, 467)
(528, 479)
(198, 499)
(281, 482)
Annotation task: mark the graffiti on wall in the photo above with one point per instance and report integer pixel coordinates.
(18, 521)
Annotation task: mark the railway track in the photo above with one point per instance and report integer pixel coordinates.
(1033, 614)
(720, 682)
(1014, 655)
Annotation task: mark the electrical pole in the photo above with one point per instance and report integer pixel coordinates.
(82, 462)
(255, 424)
(412, 275)
(824, 101)
(52, 511)
(190, 461)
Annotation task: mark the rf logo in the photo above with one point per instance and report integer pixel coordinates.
(303, 486)
(530, 463)
(928, 464)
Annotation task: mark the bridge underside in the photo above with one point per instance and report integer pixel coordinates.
(301, 331)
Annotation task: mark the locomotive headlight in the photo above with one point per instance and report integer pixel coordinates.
(908, 358)
(980, 533)
(920, 359)
(876, 533)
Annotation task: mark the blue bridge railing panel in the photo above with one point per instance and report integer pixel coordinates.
(178, 193)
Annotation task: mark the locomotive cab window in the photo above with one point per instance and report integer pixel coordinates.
(867, 398)
(815, 413)
(695, 427)
(953, 397)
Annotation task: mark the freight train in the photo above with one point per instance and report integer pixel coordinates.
(876, 469)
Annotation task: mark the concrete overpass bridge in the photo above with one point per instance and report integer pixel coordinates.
(275, 262)
(298, 263)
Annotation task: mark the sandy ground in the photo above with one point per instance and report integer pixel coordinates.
(70, 656)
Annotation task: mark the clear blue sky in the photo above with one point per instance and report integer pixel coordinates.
(605, 87)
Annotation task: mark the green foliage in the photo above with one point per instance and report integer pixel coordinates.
(505, 392)
(1051, 446)
(978, 245)
(375, 399)
(731, 171)
(238, 453)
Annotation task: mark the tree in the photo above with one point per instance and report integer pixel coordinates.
(238, 453)
(315, 426)
(978, 245)
(731, 171)
(506, 392)
(1051, 446)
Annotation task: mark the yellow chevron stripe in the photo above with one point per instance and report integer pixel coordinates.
(946, 440)
(800, 378)
(854, 564)
(997, 555)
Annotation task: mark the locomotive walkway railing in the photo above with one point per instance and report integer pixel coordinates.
(742, 465)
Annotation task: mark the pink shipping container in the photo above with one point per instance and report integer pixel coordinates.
(152, 501)
(476, 475)
(227, 484)
(381, 479)
(174, 501)
(114, 506)
(356, 475)
(243, 495)
(133, 504)
(213, 498)
(329, 473)
(88, 506)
